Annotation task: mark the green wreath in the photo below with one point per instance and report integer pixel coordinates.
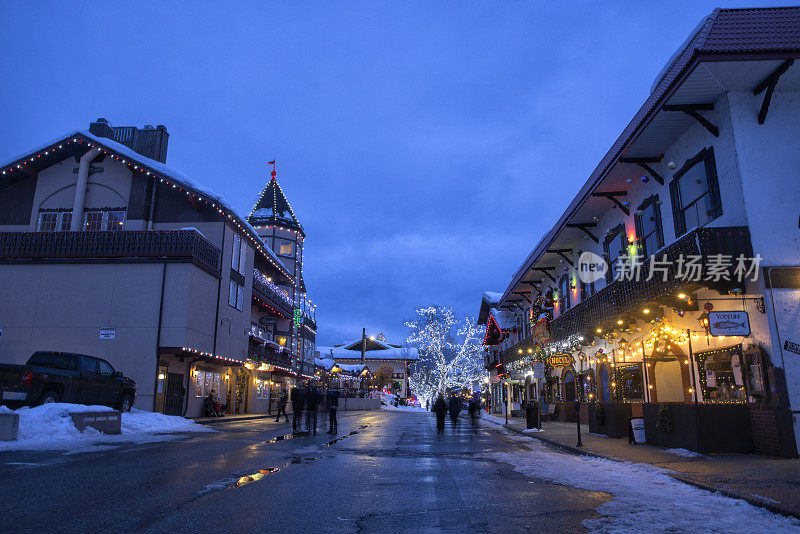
(665, 418)
(599, 415)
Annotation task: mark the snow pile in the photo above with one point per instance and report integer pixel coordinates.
(645, 498)
(532, 430)
(50, 427)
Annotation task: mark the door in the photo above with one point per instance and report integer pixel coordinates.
(89, 391)
(161, 387)
(173, 399)
(109, 390)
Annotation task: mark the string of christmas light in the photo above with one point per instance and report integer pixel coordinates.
(199, 352)
(136, 165)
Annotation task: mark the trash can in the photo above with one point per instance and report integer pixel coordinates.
(531, 415)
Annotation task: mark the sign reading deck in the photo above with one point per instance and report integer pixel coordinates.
(728, 323)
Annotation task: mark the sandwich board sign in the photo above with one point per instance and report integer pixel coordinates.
(728, 323)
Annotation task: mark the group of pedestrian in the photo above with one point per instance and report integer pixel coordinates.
(308, 399)
(453, 406)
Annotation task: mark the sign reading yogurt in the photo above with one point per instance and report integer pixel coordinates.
(728, 323)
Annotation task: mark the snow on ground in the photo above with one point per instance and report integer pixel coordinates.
(393, 408)
(686, 453)
(645, 498)
(532, 430)
(49, 427)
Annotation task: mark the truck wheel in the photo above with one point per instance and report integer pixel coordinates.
(125, 404)
(48, 397)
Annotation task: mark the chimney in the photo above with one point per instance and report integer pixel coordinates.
(148, 141)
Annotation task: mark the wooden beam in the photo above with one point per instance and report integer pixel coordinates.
(562, 252)
(584, 228)
(612, 196)
(692, 111)
(643, 163)
(769, 84)
(544, 271)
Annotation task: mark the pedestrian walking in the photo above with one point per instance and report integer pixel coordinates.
(474, 409)
(428, 405)
(283, 398)
(333, 407)
(440, 408)
(454, 408)
(298, 401)
(313, 398)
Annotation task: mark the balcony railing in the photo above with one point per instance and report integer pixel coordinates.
(620, 297)
(270, 354)
(272, 292)
(151, 246)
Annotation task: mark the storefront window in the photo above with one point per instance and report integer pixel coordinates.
(630, 383)
(721, 375)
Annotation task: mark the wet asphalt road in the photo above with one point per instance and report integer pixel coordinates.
(394, 474)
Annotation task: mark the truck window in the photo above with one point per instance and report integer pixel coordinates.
(105, 368)
(89, 365)
(53, 360)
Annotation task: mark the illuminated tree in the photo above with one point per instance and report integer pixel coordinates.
(452, 349)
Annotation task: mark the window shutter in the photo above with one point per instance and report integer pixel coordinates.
(659, 225)
(713, 184)
(677, 214)
(637, 219)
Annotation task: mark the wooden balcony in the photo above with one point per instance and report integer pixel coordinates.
(627, 297)
(132, 246)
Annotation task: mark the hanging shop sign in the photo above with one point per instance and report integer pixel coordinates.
(538, 369)
(728, 323)
(560, 360)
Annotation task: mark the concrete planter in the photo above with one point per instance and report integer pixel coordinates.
(105, 422)
(612, 420)
(9, 426)
(702, 428)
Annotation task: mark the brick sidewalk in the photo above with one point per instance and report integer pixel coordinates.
(772, 483)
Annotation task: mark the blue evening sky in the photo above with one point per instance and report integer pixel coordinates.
(425, 146)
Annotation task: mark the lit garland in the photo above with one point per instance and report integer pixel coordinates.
(198, 352)
(135, 165)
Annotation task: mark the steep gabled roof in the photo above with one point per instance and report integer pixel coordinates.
(65, 146)
(272, 209)
(731, 34)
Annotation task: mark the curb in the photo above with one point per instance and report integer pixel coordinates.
(237, 419)
(750, 499)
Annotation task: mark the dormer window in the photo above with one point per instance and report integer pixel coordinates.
(285, 248)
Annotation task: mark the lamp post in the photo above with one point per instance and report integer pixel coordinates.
(578, 420)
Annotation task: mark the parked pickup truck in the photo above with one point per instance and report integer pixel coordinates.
(65, 377)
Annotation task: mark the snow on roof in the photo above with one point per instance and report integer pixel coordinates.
(492, 297)
(325, 363)
(164, 170)
(342, 353)
(504, 319)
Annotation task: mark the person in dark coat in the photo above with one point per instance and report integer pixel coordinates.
(283, 398)
(440, 409)
(298, 401)
(313, 398)
(454, 408)
(333, 407)
(474, 409)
